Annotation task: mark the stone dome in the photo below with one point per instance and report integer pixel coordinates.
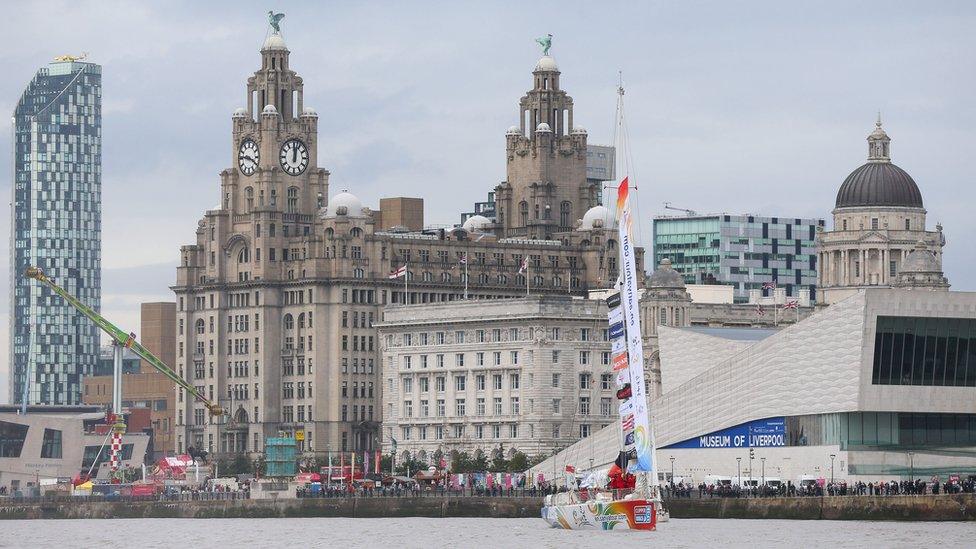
(269, 109)
(921, 260)
(543, 127)
(476, 223)
(344, 203)
(547, 63)
(513, 130)
(240, 113)
(598, 217)
(578, 129)
(879, 184)
(665, 277)
(274, 41)
(310, 112)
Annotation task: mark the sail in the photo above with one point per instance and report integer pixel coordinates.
(636, 405)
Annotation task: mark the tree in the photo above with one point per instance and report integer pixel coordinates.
(518, 463)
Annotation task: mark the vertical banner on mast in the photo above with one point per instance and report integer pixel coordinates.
(629, 301)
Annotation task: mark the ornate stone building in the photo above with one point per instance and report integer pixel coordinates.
(546, 190)
(878, 220)
(278, 297)
(529, 374)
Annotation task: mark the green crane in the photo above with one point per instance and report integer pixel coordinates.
(123, 339)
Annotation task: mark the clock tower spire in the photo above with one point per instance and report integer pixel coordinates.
(275, 140)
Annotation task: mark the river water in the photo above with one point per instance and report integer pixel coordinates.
(402, 533)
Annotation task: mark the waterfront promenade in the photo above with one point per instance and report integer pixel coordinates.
(951, 507)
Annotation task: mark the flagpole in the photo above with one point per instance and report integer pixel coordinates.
(465, 276)
(527, 273)
(406, 271)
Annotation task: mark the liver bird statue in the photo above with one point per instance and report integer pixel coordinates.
(274, 19)
(546, 43)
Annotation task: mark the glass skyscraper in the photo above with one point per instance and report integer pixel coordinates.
(744, 251)
(56, 224)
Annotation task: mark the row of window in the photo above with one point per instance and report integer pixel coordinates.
(482, 336)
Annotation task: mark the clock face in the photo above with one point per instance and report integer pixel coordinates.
(293, 157)
(248, 157)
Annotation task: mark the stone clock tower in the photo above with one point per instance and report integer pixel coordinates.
(274, 148)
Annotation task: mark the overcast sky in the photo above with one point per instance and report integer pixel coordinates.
(757, 107)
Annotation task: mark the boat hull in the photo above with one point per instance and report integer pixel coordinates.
(631, 514)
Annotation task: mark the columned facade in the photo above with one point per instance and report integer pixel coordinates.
(879, 219)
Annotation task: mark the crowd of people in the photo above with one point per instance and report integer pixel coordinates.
(836, 488)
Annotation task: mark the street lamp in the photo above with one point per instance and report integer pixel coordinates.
(738, 461)
(762, 461)
(911, 461)
(832, 456)
(672, 469)
(591, 465)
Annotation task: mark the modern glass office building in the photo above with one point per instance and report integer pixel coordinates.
(56, 224)
(741, 250)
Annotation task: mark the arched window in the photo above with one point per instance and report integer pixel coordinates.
(428, 276)
(359, 273)
(611, 244)
(261, 197)
(536, 211)
(301, 320)
(356, 232)
(274, 197)
(199, 325)
(483, 278)
(564, 214)
(524, 212)
(538, 280)
(249, 199)
(502, 280)
(445, 277)
(244, 256)
(292, 199)
(289, 322)
(330, 232)
(557, 282)
(520, 280)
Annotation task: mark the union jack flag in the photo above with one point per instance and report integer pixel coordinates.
(463, 259)
(760, 310)
(769, 285)
(791, 304)
(524, 266)
(628, 423)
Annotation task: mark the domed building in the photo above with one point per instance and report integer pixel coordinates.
(879, 217)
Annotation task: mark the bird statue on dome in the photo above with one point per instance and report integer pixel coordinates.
(274, 19)
(545, 42)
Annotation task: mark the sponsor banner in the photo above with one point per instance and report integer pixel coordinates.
(616, 330)
(615, 315)
(623, 378)
(763, 433)
(643, 440)
(613, 301)
(619, 362)
(618, 346)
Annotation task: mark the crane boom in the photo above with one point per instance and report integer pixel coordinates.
(124, 339)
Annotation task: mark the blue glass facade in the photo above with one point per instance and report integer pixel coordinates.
(56, 224)
(741, 250)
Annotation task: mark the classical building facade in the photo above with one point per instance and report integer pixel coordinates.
(879, 218)
(278, 297)
(529, 374)
(56, 224)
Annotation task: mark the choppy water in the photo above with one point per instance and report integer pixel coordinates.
(404, 533)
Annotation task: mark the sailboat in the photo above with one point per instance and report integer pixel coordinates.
(638, 505)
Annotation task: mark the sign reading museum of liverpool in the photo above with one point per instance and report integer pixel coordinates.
(763, 433)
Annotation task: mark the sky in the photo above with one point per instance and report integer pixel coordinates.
(758, 107)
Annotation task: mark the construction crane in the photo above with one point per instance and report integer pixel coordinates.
(121, 341)
(689, 213)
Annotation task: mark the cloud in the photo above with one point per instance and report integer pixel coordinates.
(759, 108)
